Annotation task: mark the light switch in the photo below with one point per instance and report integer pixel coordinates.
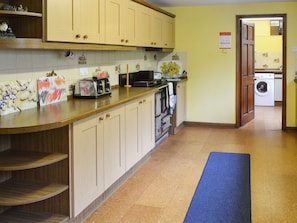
(83, 71)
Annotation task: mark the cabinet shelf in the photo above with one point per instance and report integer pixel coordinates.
(18, 13)
(21, 160)
(24, 216)
(14, 193)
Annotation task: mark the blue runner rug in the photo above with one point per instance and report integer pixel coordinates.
(223, 194)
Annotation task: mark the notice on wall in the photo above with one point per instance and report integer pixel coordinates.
(225, 40)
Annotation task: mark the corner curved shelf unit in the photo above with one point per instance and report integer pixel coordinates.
(21, 160)
(19, 13)
(14, 193)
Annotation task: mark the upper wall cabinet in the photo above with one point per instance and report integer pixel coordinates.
(75, 21)
(99, 24)
(120, 22)
(155, 29)
(168, 32)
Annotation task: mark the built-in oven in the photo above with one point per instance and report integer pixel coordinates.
(162, 113)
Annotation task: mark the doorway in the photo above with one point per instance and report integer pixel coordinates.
(239, 80)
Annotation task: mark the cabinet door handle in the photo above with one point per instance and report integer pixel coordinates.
(140, 102)
(122, 40)
(85, 37)
(107, 115)
(77, 36)
(144, 101)
(127, 41)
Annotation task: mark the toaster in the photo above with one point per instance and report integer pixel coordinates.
(92, 88)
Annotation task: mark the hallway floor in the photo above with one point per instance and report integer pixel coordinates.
(162, 189)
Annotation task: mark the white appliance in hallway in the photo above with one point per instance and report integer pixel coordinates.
(278, 87)
(264, 89)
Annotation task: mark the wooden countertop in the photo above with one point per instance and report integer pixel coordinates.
(276, 71)
(63, 113)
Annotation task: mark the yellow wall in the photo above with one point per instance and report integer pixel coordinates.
(263, 40)
(211, 71)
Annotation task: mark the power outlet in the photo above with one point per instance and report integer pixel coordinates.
(83, 71)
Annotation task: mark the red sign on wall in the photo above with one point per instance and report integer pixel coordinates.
(225, 40)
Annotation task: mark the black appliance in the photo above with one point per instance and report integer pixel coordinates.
(162, 113)
(145, 78)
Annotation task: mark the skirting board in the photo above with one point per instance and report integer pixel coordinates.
(210, 125)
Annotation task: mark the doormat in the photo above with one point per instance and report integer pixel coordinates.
(223, 193)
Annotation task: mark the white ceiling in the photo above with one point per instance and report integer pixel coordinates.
(169, 3)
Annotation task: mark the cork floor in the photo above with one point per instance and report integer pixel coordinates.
(162, 189)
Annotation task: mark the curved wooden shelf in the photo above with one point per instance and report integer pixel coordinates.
(14, 193)
(19, 13)
(12, 160)
(23, 216)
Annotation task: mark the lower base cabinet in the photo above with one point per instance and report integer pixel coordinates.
(87, 165)
(98, 156)
(180, 102)
(140, 129)
(113, 124)
(106, 145)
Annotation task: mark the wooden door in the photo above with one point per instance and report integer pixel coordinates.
(247, 33)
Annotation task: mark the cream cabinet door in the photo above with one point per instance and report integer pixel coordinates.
(59, 20)
(180, 103)
(140, 129)
(114, 145)
(91, 21)
(144, 25)
(120, 22)
(130, 26)
(156, 29)
(168, 32)
(75, 21)
(133, 134)
(147, 122)
(87, 163)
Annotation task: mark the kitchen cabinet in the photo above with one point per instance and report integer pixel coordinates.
(75, 21)
(87, 162)
(168, 32)
(120, 22)
(180, 102)
(34, 176)
(98, 156)
(278, 87)
(98, 24)
(140, 136)
(156, 29)
(144, 23)
(113, 124)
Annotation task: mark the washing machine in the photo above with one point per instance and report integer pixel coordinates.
(264, 89)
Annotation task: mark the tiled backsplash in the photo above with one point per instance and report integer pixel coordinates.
(271, 60)
(32, 64)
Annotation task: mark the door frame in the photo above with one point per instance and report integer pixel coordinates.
(238, 67)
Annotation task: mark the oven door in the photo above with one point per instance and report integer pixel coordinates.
(158, 104)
